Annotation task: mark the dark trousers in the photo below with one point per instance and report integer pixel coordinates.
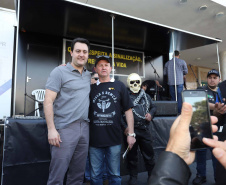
(201, 162)
(179, 97)
(144, 141)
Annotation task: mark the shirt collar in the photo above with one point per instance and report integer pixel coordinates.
(71, 68)
(215, 90)
(98, 81)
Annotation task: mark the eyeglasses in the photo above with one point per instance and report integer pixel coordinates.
(137, 81)
(102, 56)
(95, 78)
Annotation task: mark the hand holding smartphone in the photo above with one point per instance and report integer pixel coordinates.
(200, 125)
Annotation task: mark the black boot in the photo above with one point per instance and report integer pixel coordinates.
(133, 180)
(149, 176)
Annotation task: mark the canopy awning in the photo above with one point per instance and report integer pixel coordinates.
(70, 19)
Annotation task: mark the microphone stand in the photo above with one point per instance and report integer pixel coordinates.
(194, 75)
(156, 88)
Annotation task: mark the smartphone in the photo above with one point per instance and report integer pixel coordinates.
(200, 123)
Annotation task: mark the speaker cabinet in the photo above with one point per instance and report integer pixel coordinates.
(166, 108)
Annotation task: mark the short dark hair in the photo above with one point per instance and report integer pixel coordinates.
(144, 84)
(82, 40)
(176, 53)
(93, 73)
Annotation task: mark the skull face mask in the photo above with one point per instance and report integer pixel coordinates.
(134, 82)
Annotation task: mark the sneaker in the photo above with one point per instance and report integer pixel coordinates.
(198, 180)
(133, 180)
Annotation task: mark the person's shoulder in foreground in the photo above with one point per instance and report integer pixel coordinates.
(172, 166)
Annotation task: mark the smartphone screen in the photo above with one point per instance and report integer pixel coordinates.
(200, 123)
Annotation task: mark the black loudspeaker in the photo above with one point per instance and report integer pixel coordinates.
(166, 108)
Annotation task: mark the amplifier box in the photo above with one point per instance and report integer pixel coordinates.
(166, 108)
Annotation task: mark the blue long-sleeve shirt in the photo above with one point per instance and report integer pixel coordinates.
(181, 70)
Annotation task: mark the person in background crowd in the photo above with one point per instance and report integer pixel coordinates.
(180, 70)
(143, 112)
(144, 86)
(94, 78)
(66, 108)
(107, 100)
(213, 79)
(221, 108)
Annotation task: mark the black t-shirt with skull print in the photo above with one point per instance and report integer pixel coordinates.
(107, 101)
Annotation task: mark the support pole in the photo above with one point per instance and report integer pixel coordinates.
(175, 80)
(218, 61)
(113, 67)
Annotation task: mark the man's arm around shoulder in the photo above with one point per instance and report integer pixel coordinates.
(53, 135)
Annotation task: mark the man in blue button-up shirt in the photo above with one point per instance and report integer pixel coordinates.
(180, 70)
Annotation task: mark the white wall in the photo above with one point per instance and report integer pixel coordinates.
(7, 19)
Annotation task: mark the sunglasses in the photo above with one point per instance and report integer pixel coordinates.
(137, 81)
(102, 56)
(95, 78)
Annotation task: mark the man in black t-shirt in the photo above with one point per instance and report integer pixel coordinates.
(107, 101)
(215, 100)
(220, 170)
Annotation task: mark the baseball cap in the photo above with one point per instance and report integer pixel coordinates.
(213, 71)
(102, 57)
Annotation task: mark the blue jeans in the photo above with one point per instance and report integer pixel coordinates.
(112, 157)
(179, 97)
(201, 162)
(87, 171)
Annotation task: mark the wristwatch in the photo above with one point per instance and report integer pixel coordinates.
(133, 134)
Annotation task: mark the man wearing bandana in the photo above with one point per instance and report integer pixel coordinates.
(143, 112)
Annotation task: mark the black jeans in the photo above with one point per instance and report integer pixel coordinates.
(144, 141)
